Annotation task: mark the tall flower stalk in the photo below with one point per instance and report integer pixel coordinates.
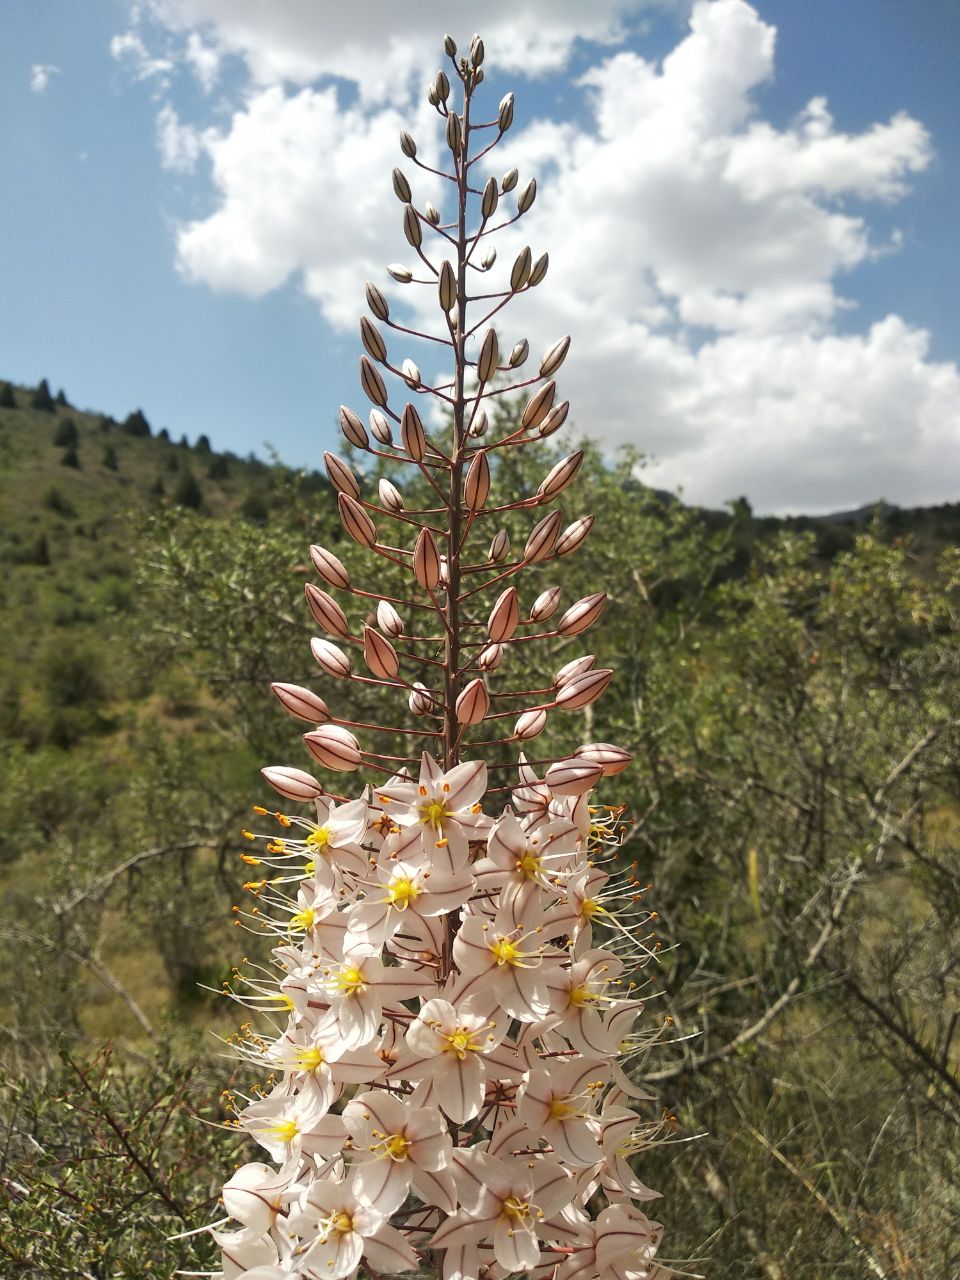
(450, 994)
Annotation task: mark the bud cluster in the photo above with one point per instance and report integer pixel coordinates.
(452, 981)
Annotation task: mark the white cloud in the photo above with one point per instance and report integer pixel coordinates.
(204, 61)
(40, 74)
(697, 251)
(180, 145)
(129, 50)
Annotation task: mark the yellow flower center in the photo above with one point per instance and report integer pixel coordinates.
(285, 1130)
(529, 865)
(505, 952)
(461, 1042)
(319, 839)
(516, 1210)
(350, 980)
(560, 1109)
(580, 996)
(396, 1147)
(433, 814)
(341, 1222)
(591, 907)
(402, 892)
(308, 1058)
(303, 919)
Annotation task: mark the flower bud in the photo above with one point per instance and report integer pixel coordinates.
(554, 357)
(328, 566)
(554, 419)
(420, 702)
(570, 670)
(444, 571)
(519, 353)
(388, 620)
(499, 546)
(476, 485)
(489, 258)
(407, 144)
(582, 614)
(560, 476)
(573, 535)
(476, 51)
(426, 561)
(490, 657)
(401, 186)
(442, 86)
(490, 199)
(301, 703)
(410, 374)
(432, 214)
(390, 496)
(583, 690)
(330, 658)
(380, 427)
(334, 747)
(454, 133)
(411, 226)
(292, 784)
(373, 385)
(527, 196)
(447, 286)
(400, 273)
(352, 428)
(545, 605)
(505, 113)
(372, 339)
(543, 537)
(340, 475)
(520, 271)
(356, 521)
(376, 301)
(573, 776)
(474, 703)
(489, 356)
(504, 616)
(478, 427)
(379, 654)
(450, 46)
(509, 180)
(539, 270)
(412, 433)
(611, 759)
(432, 96)
(530, 725)
(325, 611)
(538, 406)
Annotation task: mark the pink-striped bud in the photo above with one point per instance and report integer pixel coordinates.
(520, 271)
(490, 657)
(334, 747)
(499, 546)
(420, 701)
(293, 784)
(411, 227)
(325, 611)
(426, 561)
(410, 372)
(560, 476)
(574, 535)
(352, 428)
(447, 287)
(379, 654)
(543, 537)
(371, 338)
(380, 427)
(539, 269)
(374, 387)
(412, 434)
(519, 353)
(572, 777)
(340, 475)
(444, 571)
(530, 725)
(582, 614)
(545, 605)
(390, 496)
(583, 690)
(554, 358)
(356, 521)
(610, 758)
(504, 616)
(376, 301)
(301, 703)
(329, 567)
(489, 356)
(330, 658)
(554, 420)
(478, 427)
(538, 406)
(476, 486)
(474, 703)
(570, 670)
(388, 620)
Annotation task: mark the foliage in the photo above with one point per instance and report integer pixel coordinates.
(41, 399)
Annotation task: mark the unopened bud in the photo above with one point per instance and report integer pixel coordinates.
(499, 546)
(334, 747)
(407, 144)
(325, 611)
(554, 419)
(520, 271)
(432, 96)
(490, 657)
(412, 434)
(340, 475)
(543, 537)
(539, 270)
(530, 725)
(380, 427)
(372, 339)
(356, 521)
(432, 214)
(442, 86)
(330, 658)
(376, 301)
(400, 273)
(538, 406)
(476, 485)
(489, 356)
(450, 46)
(390, 496)
(420, 702)
(478, 427)
(352, 428)
(476, 51)
(454, 133)
(560, 476)
(504, 616)
(545, 605)
(570, 670)
(509, 180)
(519, 353)
(411, 226)
(583, 690)
(292, 784)
(611, 759)
(489, 258)
(474, 703)
(505, 113)
(301, 703)
(491, 197)
(388, 620)
(572, 777)
(574, 535)
(554, 357)
(527, 196)
(373, 385)
(444, 570)
(447, 286)
(379, 655)
(401, 186)
(410, 374)
(330, 569)
(426, 561)
(582, 614)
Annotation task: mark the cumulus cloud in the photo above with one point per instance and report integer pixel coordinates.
(698, 252)
(129, 50)
(40, 74)
(180, 145)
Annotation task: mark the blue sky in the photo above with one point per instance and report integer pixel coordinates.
(784, 284)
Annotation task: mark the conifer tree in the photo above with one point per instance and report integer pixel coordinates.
(42, 399)
(66, 434)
